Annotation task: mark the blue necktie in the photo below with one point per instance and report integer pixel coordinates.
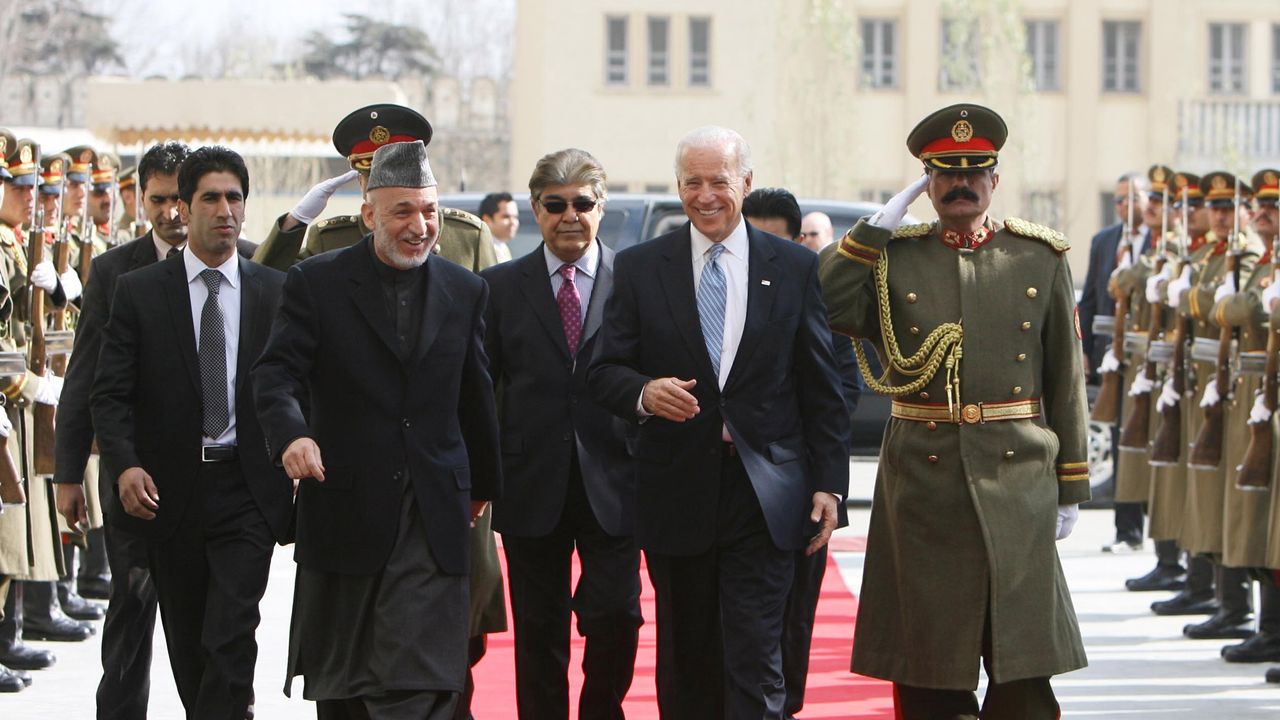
(712, 290)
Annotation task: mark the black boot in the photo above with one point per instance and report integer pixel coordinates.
(76, 607)
(1273, 675)
(13, 653)
(1168, 573)
(1196, 597)
(11, 681)
(44, 619)
(1234, 618)
(1264, 646)
(94, 578)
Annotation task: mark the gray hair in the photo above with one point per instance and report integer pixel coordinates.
(568, 167)
(716, 137)
(1139, 180)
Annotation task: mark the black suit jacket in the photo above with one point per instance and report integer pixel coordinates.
(544, 410)
(147, 397)
(781, 402)
(375, 418)
(1095, 299)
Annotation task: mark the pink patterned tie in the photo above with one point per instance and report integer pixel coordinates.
(570, 303)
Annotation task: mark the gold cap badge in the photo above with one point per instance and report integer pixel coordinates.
(379, 135)
(962, 131)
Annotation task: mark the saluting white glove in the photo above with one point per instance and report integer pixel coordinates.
(1211, 396)
(1168, 396)
(1259, 413)
(1154, 296)
(1110, 362)
(1067, 517)
(1270, 295)
(1141, 385)
(890, 216)
(71, 284)
(1228, 287)
(44, 276)
(1176, 287)
(314, 202)
(49, 390)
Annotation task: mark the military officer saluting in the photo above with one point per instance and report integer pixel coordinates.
(984, 460)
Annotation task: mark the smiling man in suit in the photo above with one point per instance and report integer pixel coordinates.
(191, 326)
(715, 343)
(569, 481)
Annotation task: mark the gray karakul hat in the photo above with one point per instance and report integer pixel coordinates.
(402, 164)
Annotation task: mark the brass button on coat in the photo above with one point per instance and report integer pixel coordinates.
(1026, 325)
(1032, 292)
(933, 458)
(932, 425)
(911, 297)
(1017, 389)
(1022, 357)
(915, 330)
(924, 396)
(1008, 454)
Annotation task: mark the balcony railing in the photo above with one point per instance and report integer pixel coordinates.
(1215, 134)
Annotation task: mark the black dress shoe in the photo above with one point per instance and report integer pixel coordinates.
(1221, 627)
(1181, 604)
(56, 628)
(94, 588)
(1259, 648)
(11, 682)
(77, 608)
(25, 657)
(1273, 675)
(1162, 577)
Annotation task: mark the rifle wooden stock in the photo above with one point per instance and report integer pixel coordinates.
(42, 432)
(1106, 407)
(61, 259)
(1166, 449)
(11, 490)
(1137, 428)
(86, 259)
(1254, 472)
(1206, 452)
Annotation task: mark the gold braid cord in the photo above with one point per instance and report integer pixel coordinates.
(942, 346)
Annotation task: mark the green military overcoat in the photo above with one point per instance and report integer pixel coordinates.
(964, 513)
(1271, 558)
(1133, 474)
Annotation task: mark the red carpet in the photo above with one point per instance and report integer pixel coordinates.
(832, 693)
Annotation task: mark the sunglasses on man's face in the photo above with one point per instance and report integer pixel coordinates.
(556, 205)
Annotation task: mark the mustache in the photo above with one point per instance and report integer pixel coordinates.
(960, 193)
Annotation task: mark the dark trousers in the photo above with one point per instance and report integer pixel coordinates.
(797, 627)
(720, 615)
(1129, 520)
(209, 578)
(128, 629)
(606, 602)
(394, 705)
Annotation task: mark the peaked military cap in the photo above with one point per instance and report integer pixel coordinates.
(105, 167)
(82, 157)
(128, 177)
(401, 165)
(1219, 188)
(361, 133)
(959, 138)
(1186, 185)
(1266, 186)
(53, 169)
(7, 140)
(24, 162)
(1161, 177)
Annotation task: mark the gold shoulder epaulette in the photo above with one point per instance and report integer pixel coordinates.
(8, 236)
(1055, 239)
(337, 221)
(461, 216)
(912, 231)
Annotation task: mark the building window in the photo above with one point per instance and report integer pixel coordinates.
(1226, 57)
(615, 59)
(699, 52)
(1044, 207)
(1042, 51)
(1120, 55)
(961, 56)
(875, 196)
(658, 55)
(880, 53)
(1275, 59)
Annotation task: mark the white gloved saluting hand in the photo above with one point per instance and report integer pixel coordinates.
(890, 216)
(1176, 287)
(71, 284)
(314, 202)
(1067, 517)
(44, 276)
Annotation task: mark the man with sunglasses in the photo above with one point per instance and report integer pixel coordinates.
(816, 231)
(569, 482)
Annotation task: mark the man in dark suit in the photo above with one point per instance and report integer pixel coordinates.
(715, 341)
(131, 612)
(373, 391)
(173, 413)
(1095, 297)
(569, 481)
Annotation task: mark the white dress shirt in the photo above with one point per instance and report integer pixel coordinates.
(163, 248)
(229, 303)
(584, 275)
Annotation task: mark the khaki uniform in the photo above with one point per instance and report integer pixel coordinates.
(1271, 555)
(466, 241)
(964, 513)
(1133, 475)
(1245, 511)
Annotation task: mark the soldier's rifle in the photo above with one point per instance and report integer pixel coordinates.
(1166, 449)
(1254, 472)
(1106, 408)
(1137, 428)
(86, 246)
(42, 434)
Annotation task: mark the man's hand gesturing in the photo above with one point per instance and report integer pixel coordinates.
(670, 398)
(302, 460)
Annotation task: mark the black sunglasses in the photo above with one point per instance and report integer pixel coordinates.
(555, 206)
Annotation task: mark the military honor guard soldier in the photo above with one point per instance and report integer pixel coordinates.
(984, 460)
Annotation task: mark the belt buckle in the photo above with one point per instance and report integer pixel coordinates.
(971, 414)
(204, 453)
(206, 449)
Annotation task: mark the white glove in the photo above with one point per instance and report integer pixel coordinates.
(49, 390)
(890, 216)
(45, 277)
(1141, 385)
(1067, 517)
(1228, 287)
(1211, 396)
(1110, 363)
(1259, 413)
(1270, 295)
(314, 202)
(1125, 261)
(1168, 396)
(1176, 287)
(1154, 296)
(71, 284)
(6, 427)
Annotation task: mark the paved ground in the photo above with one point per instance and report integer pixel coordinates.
(1140, 667)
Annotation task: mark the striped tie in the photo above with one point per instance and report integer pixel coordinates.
(712, 290)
